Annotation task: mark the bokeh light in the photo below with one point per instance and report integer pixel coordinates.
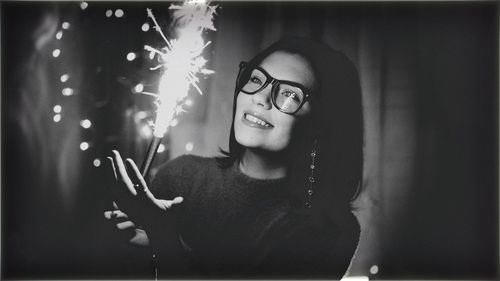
(57, 108)
(131, 56)
(65, 25)
(145, 27)
(109, 13)
(57, 118)
(84, 146)
(139, 88)
(161, 148)
(84, 5)
(59, 35)
(146, 131)
(86, 123)
(97, 162)
(67, 92)
(141, 115)
(189, 146)
(56, 53)
(119, 13)
(64, 78)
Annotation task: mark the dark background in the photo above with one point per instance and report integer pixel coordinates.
(429, 73)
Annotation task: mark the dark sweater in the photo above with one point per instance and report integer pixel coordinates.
(236, 226)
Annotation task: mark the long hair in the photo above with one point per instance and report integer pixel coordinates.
(335, 127)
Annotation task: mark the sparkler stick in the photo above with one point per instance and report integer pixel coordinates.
(180, 62)
(148, 160)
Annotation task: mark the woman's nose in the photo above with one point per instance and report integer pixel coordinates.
(263, 97)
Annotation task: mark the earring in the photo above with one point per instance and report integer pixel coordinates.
(310, 188)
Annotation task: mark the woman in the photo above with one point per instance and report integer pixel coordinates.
(277, 203)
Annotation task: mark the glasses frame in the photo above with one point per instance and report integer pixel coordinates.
(275, 83)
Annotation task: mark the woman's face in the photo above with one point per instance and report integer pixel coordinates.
(257, 123)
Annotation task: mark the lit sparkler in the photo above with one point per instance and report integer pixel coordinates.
(181, 61)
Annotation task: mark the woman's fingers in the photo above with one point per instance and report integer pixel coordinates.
(125, 225)
(127, 173)
(140, 238)
(168, 204)
(110, 160)
(177, 200)
(137, 176)
(115, 214)
(121, 172)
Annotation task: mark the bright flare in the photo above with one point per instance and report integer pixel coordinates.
(181, 59)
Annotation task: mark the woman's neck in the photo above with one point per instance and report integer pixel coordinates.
(261, 165)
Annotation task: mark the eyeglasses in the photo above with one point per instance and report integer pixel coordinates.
(287, 96)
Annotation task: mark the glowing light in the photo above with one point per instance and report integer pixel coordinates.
(86, 123)
(65, 25)
(146, 131)
(67, 92)
(374, 269)
(145, 27)
(161, 148)
(57, 118)
(188, 102)
(119, 13)
(141, 115)
(64, 78)
(181, 59)
(109, 13)
(57, 108)
(174, 122)
(131, 56)
(189, 146)
(97, 162)
(59, 35)
(139, 88)
(56, 53)
(152, 55)
(84, 5)
(84, 146)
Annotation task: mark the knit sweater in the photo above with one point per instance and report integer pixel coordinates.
(231, 225)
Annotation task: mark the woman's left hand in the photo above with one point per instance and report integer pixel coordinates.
(131, 192)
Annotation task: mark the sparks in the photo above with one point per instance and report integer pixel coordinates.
(181, 59)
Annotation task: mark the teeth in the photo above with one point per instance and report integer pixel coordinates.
(256, 120)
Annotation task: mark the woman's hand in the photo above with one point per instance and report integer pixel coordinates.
(128, 232)
(132, 195)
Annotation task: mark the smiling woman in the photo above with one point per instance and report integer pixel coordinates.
(277, 204)
(270, 107)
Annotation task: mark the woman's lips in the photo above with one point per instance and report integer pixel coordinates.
(258, 122)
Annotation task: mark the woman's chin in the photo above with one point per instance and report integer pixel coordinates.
(258, 145)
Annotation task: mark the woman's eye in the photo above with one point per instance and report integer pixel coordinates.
(292, 95)
(256, 80)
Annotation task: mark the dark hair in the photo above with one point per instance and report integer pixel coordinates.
(336, 122)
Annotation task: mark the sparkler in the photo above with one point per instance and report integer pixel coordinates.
(181, 61)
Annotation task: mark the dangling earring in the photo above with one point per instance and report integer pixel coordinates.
(310, 188)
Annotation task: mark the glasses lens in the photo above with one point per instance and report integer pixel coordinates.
(254, 79)
(288, 98)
